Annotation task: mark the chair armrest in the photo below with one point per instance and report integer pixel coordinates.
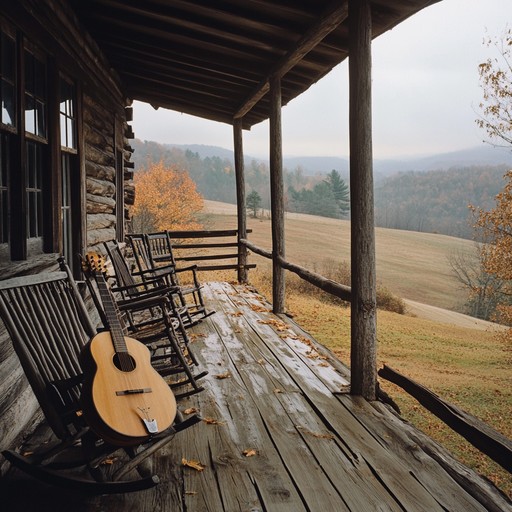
(148, 285)
(161, 269)
(145, 302)
(159, 291)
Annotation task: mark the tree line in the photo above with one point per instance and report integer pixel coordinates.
(432, 201)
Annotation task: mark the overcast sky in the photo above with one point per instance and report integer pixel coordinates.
(426, 93)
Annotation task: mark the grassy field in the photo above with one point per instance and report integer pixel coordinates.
(468, 367)
(412, 265)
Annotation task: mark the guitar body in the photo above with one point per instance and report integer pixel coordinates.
(124, 399)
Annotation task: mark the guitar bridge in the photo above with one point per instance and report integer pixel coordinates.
(151, 426)
(133, 391)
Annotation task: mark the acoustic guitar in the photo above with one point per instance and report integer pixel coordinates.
(124, 399)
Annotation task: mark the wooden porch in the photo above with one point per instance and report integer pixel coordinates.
(280, 433)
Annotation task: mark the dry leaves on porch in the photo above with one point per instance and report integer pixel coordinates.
(277, 324)
(194, 464)
(212, 421)
(259, 309)
(250, 452)
(190, 410)
(224, 375)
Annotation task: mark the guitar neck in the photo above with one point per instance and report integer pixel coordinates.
(111, 314)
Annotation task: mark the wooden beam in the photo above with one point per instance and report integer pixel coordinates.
(335, 14)
(277, 196)
(363, 367)
(240, 199)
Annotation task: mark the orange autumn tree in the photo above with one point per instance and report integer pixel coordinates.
(165, 198)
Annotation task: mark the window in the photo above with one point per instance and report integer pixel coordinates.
(67, 115)
(35, 95)
(7, 80)
(70, 178)
(26, 180)
(34, 189)
(40, 183)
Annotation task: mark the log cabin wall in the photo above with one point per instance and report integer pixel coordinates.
(98, 155)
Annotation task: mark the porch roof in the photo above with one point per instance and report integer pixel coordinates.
(214, 59)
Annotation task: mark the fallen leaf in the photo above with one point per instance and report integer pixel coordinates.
(109, 460)
(277, 390)
(194, 464)
(250, 452)
(317, 434)
(212, 421)
(224, 375)
(190, 410)
(259, 309)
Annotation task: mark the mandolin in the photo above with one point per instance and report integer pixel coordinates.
(124, 399)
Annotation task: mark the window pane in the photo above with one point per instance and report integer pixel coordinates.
(67, 109)
(41, 119)
(63, 137)
(7, 63)
(71, 133)
(7, 95)
(7, 69)
(30, 114)
(34, 189)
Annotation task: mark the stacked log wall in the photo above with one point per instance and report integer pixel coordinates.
(52, 25)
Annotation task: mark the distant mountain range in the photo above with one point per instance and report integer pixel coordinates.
(311, 165)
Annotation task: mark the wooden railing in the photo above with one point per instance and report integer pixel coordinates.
(327, 285)
(200, 252)
(479, 434)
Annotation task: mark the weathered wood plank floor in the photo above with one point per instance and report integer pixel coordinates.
(281, 434)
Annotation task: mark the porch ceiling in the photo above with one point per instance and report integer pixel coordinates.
(213, 59)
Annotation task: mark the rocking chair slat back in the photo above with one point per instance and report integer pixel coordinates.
(48, 325)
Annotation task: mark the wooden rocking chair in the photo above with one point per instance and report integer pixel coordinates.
(49, 326)
(154, 252)
(130, 284)
(147, 317)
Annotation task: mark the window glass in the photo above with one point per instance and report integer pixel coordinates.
(34, 189)
(35, 95)
(7, 75)
(67, 115)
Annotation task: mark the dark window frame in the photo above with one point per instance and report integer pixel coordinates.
(30, 201)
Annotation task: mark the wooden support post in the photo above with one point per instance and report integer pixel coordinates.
(240, 199)
(363, 363)
(277, 196)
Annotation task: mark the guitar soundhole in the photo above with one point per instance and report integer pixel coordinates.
(124, 362)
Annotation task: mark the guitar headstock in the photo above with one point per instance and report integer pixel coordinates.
(94, 263)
